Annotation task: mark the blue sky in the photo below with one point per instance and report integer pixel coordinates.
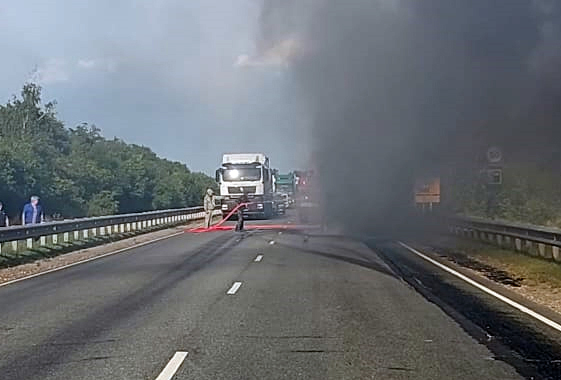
(160, 73)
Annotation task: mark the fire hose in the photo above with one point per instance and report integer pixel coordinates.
(220, 227)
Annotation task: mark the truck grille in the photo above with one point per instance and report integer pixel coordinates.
(241, 189)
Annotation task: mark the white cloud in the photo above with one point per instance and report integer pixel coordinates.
(86, 63)
(54, 70)
(101, 64)
(280, 54)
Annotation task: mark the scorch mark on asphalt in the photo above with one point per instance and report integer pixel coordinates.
(485, 289)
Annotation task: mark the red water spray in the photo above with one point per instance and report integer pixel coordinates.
(219, 226)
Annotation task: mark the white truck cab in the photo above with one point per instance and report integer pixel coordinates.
(249, 174)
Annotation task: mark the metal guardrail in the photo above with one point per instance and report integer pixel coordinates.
(535, 240)
(59, 232)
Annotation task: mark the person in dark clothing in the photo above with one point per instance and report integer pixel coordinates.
(243, 199)
(32, 212)
(4, 221)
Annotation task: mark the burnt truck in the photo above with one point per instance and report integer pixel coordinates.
(249, 174)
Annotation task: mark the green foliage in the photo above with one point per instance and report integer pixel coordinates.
(104, 203)
(528, 194)
(77, 172)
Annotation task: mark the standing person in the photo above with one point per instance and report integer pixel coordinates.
(242, 201)
(4, 221)
(32, 212)
(209, 205)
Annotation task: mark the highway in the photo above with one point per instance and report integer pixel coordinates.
(257, 305)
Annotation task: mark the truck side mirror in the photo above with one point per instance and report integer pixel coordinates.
(217, 175)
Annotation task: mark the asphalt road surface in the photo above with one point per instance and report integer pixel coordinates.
(222, 305)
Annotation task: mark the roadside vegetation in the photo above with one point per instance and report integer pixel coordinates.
(77, 172)
(528, 194)
(532, 270)
(534, 278)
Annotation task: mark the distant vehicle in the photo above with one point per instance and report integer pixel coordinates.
(248, 173)
(280, 204)
(307, 196)
(286, 184)
(286, 199)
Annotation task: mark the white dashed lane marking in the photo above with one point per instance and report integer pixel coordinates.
(234, 288)
(172, 366)
(258, 258)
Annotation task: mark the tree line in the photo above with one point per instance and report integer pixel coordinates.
(77, 172)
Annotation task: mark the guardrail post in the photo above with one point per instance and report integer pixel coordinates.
(518, 244)
(499, 240)
(508, 241)
(547, 251)
(555, 253)
(529, 246)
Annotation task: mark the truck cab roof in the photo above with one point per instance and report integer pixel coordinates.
(244, 158)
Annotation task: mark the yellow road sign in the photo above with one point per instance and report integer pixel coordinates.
(427, 190)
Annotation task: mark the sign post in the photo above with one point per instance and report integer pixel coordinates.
(494, 177)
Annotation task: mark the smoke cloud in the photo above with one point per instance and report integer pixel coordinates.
(398, 89)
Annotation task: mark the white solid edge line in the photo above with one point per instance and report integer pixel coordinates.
(88, 260)
(172, 366)
(506, 300)
(234, 288)
(258, 258)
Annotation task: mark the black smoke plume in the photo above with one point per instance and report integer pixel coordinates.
(399, 89)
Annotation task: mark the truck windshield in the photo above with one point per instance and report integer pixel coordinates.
(242, 174)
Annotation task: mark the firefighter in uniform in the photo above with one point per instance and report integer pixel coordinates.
(209, 205)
